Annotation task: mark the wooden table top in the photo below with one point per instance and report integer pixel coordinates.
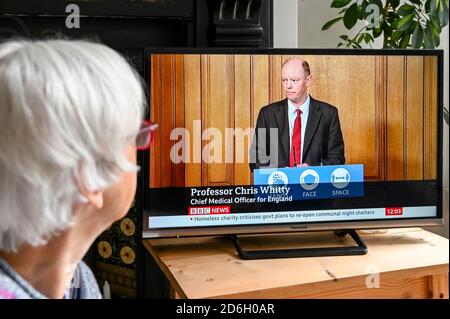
(209, 267)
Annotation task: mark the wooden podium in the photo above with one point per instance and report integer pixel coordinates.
(401, 263)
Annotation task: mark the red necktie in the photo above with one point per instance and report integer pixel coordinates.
(294, 159)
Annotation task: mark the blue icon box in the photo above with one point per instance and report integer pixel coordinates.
(311, 182)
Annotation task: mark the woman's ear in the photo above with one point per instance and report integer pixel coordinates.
(93, 197)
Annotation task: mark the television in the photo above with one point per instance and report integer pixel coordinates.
(375, 146)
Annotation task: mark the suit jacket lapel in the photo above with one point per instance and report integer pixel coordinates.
(283, 124)
(311, 126)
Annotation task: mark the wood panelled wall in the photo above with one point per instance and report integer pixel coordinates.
(387, 109)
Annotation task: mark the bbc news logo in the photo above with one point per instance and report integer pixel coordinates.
(209, 210)
(394, 211)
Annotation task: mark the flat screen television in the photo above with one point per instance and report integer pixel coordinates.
(371, 133)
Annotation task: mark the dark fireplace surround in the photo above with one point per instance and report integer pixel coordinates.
(131, 25)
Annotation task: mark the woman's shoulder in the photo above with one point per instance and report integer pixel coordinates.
(10, 289)
(84, 284)
(14, 286)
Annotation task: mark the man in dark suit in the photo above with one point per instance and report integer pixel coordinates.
(299, 130)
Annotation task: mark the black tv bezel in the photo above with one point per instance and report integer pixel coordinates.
(293, 227)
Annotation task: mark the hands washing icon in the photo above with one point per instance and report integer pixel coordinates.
(278, 178)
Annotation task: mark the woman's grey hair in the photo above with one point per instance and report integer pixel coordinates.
(68, 109)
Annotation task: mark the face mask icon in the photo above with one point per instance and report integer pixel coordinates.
(309, 179)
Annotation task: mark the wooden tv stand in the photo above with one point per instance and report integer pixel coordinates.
(401, 263)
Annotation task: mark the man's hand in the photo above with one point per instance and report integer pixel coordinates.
(303, 165)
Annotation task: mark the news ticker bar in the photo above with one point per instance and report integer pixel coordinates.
(213, 216)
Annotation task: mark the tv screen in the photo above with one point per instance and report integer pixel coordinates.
(279, 140)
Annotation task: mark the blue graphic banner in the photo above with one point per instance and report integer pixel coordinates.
(298, 183)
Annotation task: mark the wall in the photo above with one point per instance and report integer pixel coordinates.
(312, 15)
(444, 46)
(286, 23)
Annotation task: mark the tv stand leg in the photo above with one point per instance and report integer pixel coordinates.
(359, 249)
(341, 233)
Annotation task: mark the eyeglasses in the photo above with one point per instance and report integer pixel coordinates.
(145, 135)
